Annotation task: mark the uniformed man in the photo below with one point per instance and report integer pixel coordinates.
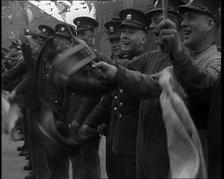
(113, 34)
(85, 162)
(124, 117)
(152, 159)
(54, 95)
(27, 88)
(86, 29)
(45, 33)
(202, 66)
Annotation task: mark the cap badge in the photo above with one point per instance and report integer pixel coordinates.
(129, 17)
(204, 8)
(44, 30)
(78, 23)
(111, 29)
(62, 29)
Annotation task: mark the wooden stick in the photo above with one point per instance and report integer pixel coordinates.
(164, 7)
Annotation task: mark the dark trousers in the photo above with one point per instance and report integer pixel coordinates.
(24, 123)
(54, 158)
(125, 167)
(39, 161)
(86, 161)
(152, 160)
(110, 161)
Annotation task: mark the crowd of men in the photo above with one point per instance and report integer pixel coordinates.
(116, 96)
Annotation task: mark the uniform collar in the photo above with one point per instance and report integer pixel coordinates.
(136, 54)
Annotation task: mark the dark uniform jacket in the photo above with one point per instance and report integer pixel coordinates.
(50, 93)
(27, 87)
(124, 118)
(152, 156)
(80, 105)
(214, 133)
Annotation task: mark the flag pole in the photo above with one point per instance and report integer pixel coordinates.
(73, 39)
(165, 15)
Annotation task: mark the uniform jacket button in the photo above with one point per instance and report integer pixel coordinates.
(121, 90)
(47, 75)
(115, 97)
(121, 104)
(120, 115)
(115, 108)
(56, 101)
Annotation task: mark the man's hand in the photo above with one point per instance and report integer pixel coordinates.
(12, 96)
(86, 132)
(170, 37)
(24, 40)
(104, 70)
(73, 130)
(101, 129)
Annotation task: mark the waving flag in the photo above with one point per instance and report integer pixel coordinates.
(183, 142)
(62, 7)
(10, 115)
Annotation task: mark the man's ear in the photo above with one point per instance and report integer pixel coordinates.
(211, 24)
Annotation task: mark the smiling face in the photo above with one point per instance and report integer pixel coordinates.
(195, 27)
(132, 39)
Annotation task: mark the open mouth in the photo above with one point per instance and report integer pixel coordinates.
(187, 33)
(125, 43)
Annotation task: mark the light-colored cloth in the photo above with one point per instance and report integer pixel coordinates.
(184, 146)
(10, 115)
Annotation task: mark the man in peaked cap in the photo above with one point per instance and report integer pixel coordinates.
(152, 160)
(27, 88)
(133, 20)
(85, 29)
(114, 33)
(124, 114)
(85, 162)
(56, 160)
(133, 32)
(196, 61)
(63, 35)
(45, 33)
